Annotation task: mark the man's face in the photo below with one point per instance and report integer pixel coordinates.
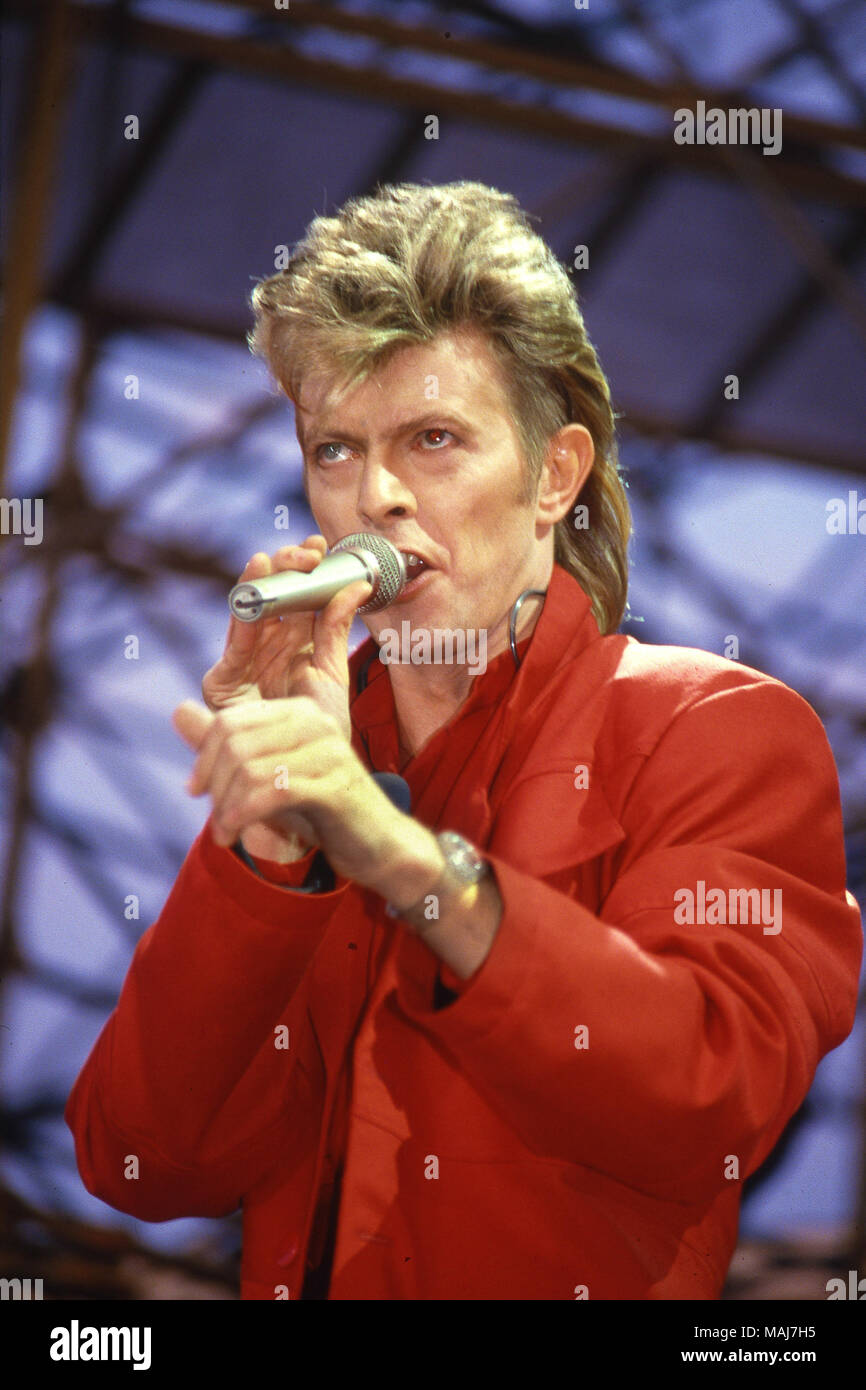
(425, 454)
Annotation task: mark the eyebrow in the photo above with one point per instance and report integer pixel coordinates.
(429, 419)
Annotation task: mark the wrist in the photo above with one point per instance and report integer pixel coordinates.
(417, 869)
(460, 915)
(456, 887)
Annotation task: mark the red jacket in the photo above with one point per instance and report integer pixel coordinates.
(579, 1121)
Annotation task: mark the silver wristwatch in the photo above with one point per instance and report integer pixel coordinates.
(461, 859)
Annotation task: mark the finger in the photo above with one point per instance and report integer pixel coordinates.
(332, 627)
(287, 741)
(245, 731)
(192, 721)
(210, 750)
(260, 790)
(241, 795)
(297, 557)
(291, 625)
(230, 773)
(241, 638)
(256, 567)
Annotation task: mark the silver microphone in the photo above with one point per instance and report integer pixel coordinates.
(359, 556)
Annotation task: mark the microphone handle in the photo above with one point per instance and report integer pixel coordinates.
(296, 591)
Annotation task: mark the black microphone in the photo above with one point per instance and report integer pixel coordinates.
(359, 556)
(396, 788)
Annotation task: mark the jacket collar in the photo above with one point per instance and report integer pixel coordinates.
(564, 628)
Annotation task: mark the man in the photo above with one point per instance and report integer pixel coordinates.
(536, 1061)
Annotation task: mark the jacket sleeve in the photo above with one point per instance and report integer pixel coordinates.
(650, 1048)
(186, 1077)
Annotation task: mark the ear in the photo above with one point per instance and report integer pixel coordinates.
(570, 456)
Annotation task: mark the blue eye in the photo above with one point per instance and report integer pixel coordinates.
(323, 447)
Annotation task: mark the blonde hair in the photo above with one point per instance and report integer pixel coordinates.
(408, 262)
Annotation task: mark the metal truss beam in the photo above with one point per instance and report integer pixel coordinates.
(805, 176)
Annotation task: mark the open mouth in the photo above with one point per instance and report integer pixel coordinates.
(414, 564)
(417, 569)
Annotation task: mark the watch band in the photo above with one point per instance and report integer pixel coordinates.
(464, 866)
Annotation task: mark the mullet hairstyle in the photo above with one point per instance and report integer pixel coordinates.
(409, 262)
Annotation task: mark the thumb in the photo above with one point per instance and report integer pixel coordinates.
(192, 721)
(333, 624)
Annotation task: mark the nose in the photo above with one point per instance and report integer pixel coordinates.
(383, 495)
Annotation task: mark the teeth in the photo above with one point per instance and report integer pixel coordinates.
(414, 560)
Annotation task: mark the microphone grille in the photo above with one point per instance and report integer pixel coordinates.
(390, 566)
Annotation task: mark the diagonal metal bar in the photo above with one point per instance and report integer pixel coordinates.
(814, 40)
(394, 166)
(826, 271)
(634, 192)
(553, 54)
(282, 62)
(181, 91)
(779, 330)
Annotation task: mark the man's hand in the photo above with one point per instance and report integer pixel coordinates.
(285, 764)
(293, 653)
(296, 654)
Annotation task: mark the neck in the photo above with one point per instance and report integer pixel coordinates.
(427, 696)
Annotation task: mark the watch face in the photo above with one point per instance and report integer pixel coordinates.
(462, 857)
